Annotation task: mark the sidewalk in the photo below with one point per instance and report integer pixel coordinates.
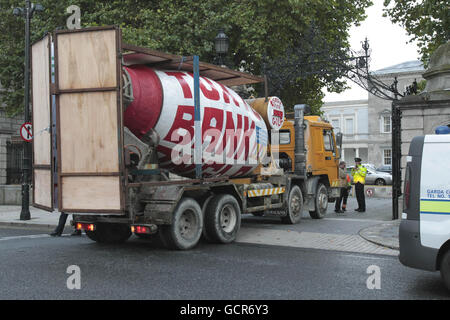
(10, 216)
(384, 234)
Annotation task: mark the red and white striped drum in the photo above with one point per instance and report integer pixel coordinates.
(235, 137)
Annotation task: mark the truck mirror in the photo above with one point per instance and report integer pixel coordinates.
(339, 140)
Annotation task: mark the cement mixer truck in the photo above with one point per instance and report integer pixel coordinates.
(152, 143)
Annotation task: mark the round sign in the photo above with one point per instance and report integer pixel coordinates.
(26, 131)
(369, 192)
(275, 113)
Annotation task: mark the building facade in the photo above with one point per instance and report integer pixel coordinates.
(380, 120)
(371, 139)
(351, 119)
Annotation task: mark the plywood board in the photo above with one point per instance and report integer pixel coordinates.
(42, 185)
(89, 132)
(90, 138)
(41, 102)
(41, 119)
(87, 59)
(91, 193)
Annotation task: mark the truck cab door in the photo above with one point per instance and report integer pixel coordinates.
(330, 155)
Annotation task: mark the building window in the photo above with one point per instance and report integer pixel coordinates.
(387, 157)
(386, 123)
(336, 125)
(349, 123)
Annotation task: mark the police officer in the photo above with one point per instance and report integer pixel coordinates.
(359, 178)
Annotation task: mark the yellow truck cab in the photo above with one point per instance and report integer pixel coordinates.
(323, 155)
(316, 153)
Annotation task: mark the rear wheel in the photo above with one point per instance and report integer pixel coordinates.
(222, 219)
(380, 182)
(109, 233)
(321, 202)
(445, 268)
(186, 228)
(295, 206)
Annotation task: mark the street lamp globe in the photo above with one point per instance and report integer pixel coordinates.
(221, 42)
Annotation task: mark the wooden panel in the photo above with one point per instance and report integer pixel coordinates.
(41, 119)
(87, 59)
(42, 185)
(91, 193)
(41, 102)
(89, 133)
(89, 138)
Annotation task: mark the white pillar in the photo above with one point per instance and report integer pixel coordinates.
(357, 153)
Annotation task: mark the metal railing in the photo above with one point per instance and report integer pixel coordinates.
(14, 162)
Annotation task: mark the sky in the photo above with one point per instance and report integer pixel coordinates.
(388, 43)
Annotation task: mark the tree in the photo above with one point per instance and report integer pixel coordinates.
(256, 28)
(427, 22)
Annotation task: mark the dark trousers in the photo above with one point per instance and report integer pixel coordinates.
(342, 199)
(61, 223)
(360, 197)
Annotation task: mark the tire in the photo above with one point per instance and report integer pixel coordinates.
(109, 233)
(445, 269)
(222, 219)
(204, 208)
(320, 202)
(186, 228)
(380, 182)
(295, 206)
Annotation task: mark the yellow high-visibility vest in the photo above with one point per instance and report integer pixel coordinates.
(359, 174)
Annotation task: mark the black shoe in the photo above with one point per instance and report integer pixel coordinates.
(362, 210)
(338, 211)
(55, 234)
(358, 210)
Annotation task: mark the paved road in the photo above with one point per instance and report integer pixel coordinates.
(33, 266)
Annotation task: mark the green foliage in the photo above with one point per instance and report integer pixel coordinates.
(421, 86)
(427, 22)
(255, 28)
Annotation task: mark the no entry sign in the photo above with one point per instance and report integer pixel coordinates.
(26, 131)
(369, 192)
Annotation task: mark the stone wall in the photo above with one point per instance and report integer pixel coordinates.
(422, 114)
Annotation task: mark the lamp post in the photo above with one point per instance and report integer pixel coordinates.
(221, 43)
(27, 13)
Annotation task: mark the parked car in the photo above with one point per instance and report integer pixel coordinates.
(374, 177)
(369, 166)
(386, 168)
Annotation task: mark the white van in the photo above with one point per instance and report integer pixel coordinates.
(425, 227)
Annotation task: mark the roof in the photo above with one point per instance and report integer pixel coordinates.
(138, 55)
(408, 66)
(346, 103)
